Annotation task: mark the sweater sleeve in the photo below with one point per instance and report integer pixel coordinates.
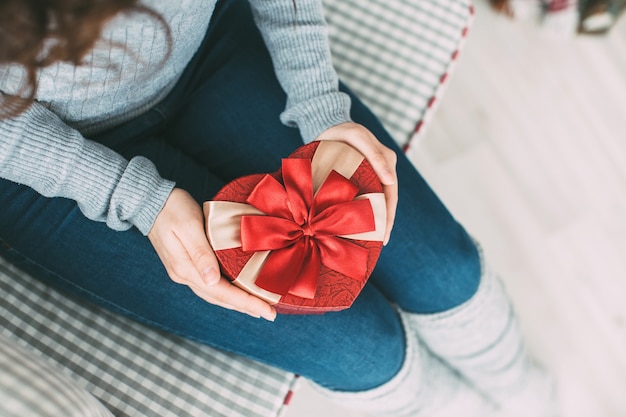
(38, 150)
(296, 35)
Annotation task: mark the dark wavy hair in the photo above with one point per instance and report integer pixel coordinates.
(37, 33)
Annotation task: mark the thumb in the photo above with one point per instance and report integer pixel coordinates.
(203, 258)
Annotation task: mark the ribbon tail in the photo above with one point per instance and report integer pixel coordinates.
(306, 284)
(344, 257)
(281, 269)
(294, 270)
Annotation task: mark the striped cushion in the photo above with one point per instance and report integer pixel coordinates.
(30, 386)
(396, 55)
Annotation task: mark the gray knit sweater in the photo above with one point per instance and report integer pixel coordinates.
(47, 148)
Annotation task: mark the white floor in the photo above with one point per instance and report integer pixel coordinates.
(528, 149)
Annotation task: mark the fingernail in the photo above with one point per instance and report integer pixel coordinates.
(269, 316)
(210, 276)
(256, 316)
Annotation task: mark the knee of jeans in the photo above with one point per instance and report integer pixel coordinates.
(367, 358)
(458, 274)
(445, 274)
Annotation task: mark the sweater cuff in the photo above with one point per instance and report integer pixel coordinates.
(315, 115)
(139, 196)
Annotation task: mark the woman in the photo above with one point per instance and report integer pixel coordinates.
(121, 117)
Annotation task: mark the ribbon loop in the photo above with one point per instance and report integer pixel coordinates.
(267, 233)
(298, 179)
(356, 215)
(335, 188)
(270, 196)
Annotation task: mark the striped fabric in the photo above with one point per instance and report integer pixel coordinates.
(29, 386)
(135, 370)
(396, 55)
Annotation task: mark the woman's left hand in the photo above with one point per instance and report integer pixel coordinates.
(382, 159)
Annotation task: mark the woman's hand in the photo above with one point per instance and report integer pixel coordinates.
(180, 241)
(382, 159)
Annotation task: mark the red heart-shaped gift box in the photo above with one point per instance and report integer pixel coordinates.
(305, 238)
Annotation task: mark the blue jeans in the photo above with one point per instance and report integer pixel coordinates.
(221, 122)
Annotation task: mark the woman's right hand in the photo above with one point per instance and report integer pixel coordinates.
(180, 241)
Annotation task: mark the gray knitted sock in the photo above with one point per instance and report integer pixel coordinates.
(424, 387)
(482, 340)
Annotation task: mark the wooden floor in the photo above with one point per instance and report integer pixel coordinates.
(528, 150)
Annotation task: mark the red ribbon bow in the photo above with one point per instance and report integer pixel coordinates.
(303, 230)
